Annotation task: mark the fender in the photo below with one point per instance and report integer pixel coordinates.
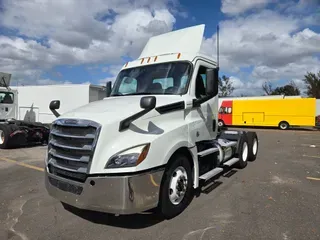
(193, 152)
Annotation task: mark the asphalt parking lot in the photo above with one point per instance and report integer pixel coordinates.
(275, 197)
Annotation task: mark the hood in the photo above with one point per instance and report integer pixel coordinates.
(117, 108)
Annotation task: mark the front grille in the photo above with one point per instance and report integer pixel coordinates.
(71, 147)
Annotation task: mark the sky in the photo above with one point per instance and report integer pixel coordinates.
(79, 41)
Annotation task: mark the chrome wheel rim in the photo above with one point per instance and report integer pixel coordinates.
(1, 137)
(255, 146)
(178, 185)
(245, 152)
(283, 126)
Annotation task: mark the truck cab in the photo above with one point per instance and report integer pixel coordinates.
(8, 104)
(152, 141)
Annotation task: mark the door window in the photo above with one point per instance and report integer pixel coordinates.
(6, 97)
(201, 82)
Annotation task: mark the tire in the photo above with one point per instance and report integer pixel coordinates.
(4, 136)
(253, 143)
(284, 125)
(166, 207)
(243, 151)
(220, 123)
(5, 140)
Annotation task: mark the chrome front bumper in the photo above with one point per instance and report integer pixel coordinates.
(111, 194)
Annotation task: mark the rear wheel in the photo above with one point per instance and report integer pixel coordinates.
(220, 123)
(177, 187)
(253, 145)
(283, 125)
(243, 151)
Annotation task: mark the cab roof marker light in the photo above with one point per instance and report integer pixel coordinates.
(155, 59)
(149, 59)
(126, 64)
(179, 54)
(142, 60)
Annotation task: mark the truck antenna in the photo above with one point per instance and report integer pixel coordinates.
(218, 46)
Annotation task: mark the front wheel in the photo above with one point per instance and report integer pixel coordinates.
(177, 187)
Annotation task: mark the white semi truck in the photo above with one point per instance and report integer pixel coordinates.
(24, 110)
(153, 141)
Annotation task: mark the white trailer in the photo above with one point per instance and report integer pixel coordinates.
(26, 108)
(31, 103)
(154, 141)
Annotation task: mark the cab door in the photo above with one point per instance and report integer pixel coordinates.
(8, 106)
(202, 120)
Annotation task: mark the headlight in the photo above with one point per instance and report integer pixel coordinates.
(129, 157)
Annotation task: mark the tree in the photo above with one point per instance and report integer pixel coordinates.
(312, 82)
(267, 88)
(288, 90)
(225, 86)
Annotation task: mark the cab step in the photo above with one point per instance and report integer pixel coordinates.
(211, 173)
(230, 162)
(217, 170)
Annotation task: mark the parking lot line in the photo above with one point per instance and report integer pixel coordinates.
(22, 164)
(312, 178)
(310, 156)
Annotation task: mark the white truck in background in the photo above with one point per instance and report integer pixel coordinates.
(24, 112)
(153, 141)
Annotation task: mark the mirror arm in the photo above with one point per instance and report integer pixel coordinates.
(197, 102)
(147, 103)
(55, 113)
(125, 123)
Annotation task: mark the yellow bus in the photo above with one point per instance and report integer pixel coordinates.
(282, 113)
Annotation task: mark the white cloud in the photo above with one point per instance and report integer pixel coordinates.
(77, 32)
(113, 71)
(51, 82)
(234, 7)
(293, 70)
(277, 46)
(246, 87)
(274, 45)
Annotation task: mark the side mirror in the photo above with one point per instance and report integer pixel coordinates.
(148, 102)
(55, 104)
(108, 89)
(212, 87)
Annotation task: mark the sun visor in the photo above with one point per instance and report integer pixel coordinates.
(187, 40)
(5, 79)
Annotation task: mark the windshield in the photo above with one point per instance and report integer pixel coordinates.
(6, 97)
(163, 78)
